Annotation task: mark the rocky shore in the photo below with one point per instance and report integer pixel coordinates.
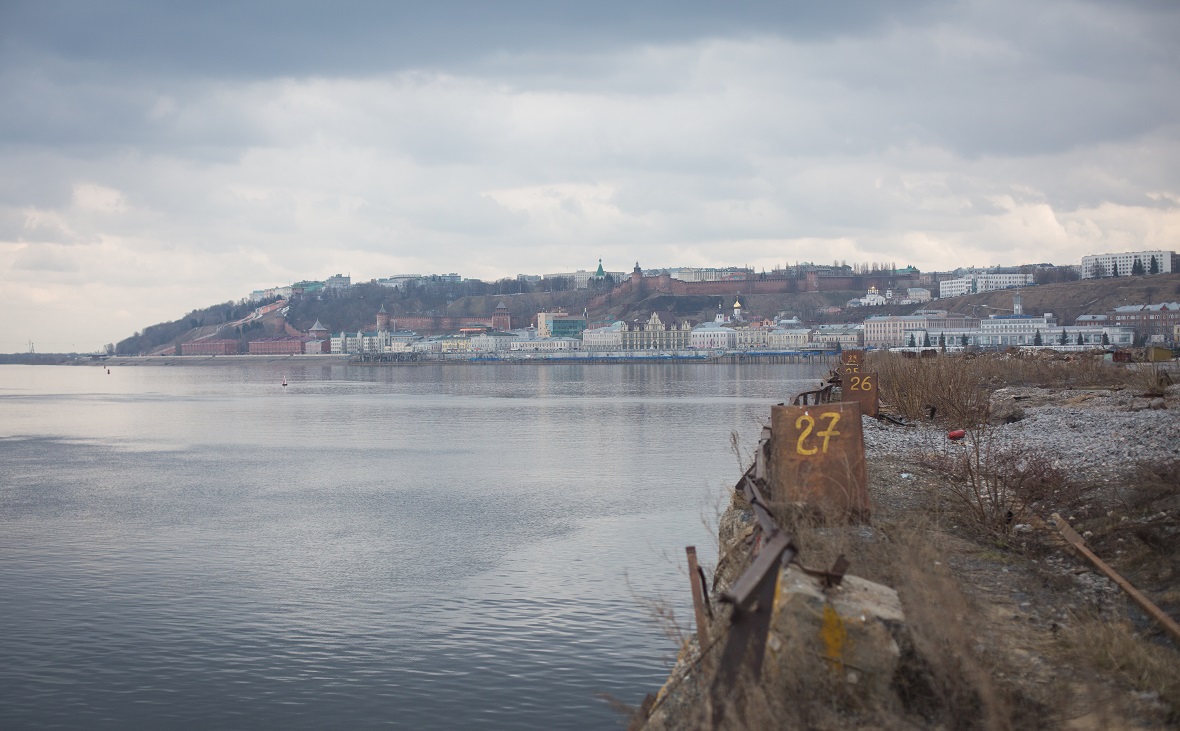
(1094, 432)
(1007, 627)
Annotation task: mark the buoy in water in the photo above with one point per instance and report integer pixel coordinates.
(284, 381)
(956, 435)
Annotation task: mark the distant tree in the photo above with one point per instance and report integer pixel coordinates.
(1064, 338)
(913, 343)
(1080, 341)
(1052, 275)
(1037, 339)
(963, 340)
(1114, 269)
(1099, 270)
(1105, 338)
(1154, 266)
(1137, 269)
(942, 342)
(926, 340)
(109, 348)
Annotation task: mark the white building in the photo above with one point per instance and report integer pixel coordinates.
(709, 274)
(399, 281)
(493, 342)
(604, 338)
(1015, 331)
(1110, 265)
(872, 299)
(788, 338)
(713, 336)
(546, 345)
(338, 281)
(973, 282)
(372, 342)
(752, 337)
(846, 336)
(917, 294)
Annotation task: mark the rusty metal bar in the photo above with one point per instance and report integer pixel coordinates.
(814, 398)
(698, 597)
(1148, 606)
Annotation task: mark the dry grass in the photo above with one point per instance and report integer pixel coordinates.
(959, 387)
(1114, 647)
(942, 682)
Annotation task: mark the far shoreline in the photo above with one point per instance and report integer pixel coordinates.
(340, 359)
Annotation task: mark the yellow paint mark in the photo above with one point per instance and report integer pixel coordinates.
(834, 635)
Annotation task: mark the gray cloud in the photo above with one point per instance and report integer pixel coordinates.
(222, 149)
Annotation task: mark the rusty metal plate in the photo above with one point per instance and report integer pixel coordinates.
(818, 458)
(861, 387)
(851, 361)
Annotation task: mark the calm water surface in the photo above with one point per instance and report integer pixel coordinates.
(417, 547)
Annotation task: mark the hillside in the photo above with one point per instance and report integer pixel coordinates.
(1068, 300)
(356, 308)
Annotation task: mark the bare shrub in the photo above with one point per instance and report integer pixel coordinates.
(1148, 379)
(999, 485)
(950, 385)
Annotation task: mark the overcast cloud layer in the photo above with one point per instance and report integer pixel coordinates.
(157, 159)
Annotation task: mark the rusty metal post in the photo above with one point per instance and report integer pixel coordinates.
(861, 387)
(818, 458)
(698, 598)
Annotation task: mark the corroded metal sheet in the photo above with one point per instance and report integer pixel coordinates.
(851, 361)
(818, 458)
(861, 387)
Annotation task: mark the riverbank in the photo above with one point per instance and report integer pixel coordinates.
(1008, 627)
(531, 359)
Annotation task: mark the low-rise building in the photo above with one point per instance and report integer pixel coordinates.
(209, 347)
(546, 345)
(885, 331)
(845, 336)
(605, 338)
(973, 282)
(1156, 322)
(277, 346)
(560, 325)
(713, 336)
(493, 342)
(795, 338)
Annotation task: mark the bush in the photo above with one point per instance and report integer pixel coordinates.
(1000, 485)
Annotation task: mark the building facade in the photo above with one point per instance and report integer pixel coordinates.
(885, 331)
(1156, 323)
(655, 335)
(973, 282)
(1096, 266)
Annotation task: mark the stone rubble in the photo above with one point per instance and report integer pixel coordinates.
(1095, 433)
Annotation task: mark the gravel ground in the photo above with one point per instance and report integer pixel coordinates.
(1096, 433)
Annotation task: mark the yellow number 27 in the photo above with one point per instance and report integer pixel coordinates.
(806, 423)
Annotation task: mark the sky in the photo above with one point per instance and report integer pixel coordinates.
(158, 157)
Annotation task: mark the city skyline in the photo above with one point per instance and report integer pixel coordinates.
(156, 159)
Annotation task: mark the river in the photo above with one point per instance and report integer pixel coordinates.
(426, 547)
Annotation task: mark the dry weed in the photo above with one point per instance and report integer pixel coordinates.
(999, 485)
(958, 387)
(1115, 647)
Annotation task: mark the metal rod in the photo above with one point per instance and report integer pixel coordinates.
(698, 597)
(1155, 612)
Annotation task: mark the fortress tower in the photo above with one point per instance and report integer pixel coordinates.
(382, 319)
(501, 318)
